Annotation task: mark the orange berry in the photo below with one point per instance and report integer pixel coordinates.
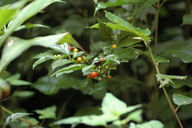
(94, 74)
(75, 50)
(79, 59)
(101, 59)
(114, 46)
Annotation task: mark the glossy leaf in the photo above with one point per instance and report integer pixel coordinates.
(59, 63)
(126, 26)
(27, 12)
(6, 14)
(16, 46)
(180, 99)
(68, 69)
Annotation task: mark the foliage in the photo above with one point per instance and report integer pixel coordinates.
(63, 62)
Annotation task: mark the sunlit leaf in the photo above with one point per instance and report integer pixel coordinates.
(180, 99)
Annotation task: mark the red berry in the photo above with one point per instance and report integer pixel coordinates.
(70, 47)
(88, 76)
(94, 74)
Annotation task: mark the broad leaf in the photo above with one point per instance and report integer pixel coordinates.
(180, 99)
(30, 10)
(16, 46)
(47, 113)
(6, 14)
(126, 26)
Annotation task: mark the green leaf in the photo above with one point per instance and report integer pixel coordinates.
(59, 63)
(180, 99)
(63, 48)
(14, 80)
(168, 79)
(28, 25)
(6, 14)
(44, 57)
(47, 113)
(106, 32)
(126, 26)
(113, 3)
(187, 19)
(27, 12)
(181, 49)
(69, 69)
(15, 117)
(150, 124)
(16, 46)
(92, 120)
(113, 106)
(23, 94)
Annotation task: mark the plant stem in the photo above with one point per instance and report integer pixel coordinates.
(164, 90)
(22, 119)
(157, 24)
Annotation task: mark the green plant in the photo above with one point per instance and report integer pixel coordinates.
(122, 32)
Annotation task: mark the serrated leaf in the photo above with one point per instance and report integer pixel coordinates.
(69, 69)
(180, 99)
(15, 117)
(126, 26)
(47, 113)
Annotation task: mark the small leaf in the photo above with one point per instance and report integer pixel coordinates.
(59, 63)
(69, 69)
(28, 25)
(180, 99)
(47, 113)
(15, 117)
(44, 57)
(23, 94)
